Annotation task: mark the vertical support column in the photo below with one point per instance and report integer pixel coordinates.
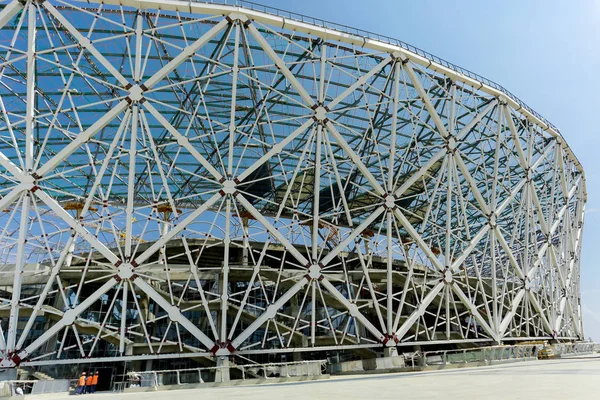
(246, 248)
(576, 274)
(232, 125)
(314, 231)
(138, 47)
(447, 255)
(449, 175)
(24, 221)
(230, 160)
(313, 312)
(390, 191)
(571, 250)
(316, 195)
(389, 276)
(222, 374)
(225, 274)
(392, 156)
(526, 201)
(493, 206)
(17, 280)
(131, 182)
(30, 110)
(166, 209)
(123, 318)
(390, 351)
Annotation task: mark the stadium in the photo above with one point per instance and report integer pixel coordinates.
(187, 183)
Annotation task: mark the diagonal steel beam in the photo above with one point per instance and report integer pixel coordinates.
(419, 311)
(281, 66)
(360, 81)
(275, 149)
(269, 313)
(272, 230)
(176, 229)
(536, 304)
(174, 312)
(515, 136)
(355, 232)
(509, 253)
(42, 297)
(9, 11)
(185, 54)
(433, 160)
(418, 239)
(352, 308)
(76, 226)
(471, 182)
(85, 43)
(18, 274)
(470, 247)
(355, 158)
(11, 167)
(67, 319)
(439, 124)
(553, 228)
(81, 138)
(514, 306)
(475, 312)
(183, 141)
(8, 199)
(567, 286)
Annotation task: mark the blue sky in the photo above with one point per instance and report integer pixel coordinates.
(545, 52)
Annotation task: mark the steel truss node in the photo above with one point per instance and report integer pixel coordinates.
(182, 179)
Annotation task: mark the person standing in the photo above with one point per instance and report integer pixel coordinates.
(94, 382)
(81, 384)
(88, 383)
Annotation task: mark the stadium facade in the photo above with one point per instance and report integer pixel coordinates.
(191, 180)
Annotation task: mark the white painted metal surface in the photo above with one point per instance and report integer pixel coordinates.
(186, 179)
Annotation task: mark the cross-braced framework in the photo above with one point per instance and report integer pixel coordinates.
(200, 179)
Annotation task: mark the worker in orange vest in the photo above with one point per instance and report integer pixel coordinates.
(94, 381)
(81, 384)
(88, 383)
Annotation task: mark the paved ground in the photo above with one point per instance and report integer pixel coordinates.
(575, 378)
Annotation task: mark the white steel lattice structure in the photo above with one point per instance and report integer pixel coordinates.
(202, 179)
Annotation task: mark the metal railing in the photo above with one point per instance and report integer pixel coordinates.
(570, 349)
(493, 354)
(218, 374)
(488, 355)
(380, 38)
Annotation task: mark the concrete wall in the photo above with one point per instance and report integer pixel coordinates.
(374, 364)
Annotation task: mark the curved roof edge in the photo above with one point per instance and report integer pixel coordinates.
(332, 31)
